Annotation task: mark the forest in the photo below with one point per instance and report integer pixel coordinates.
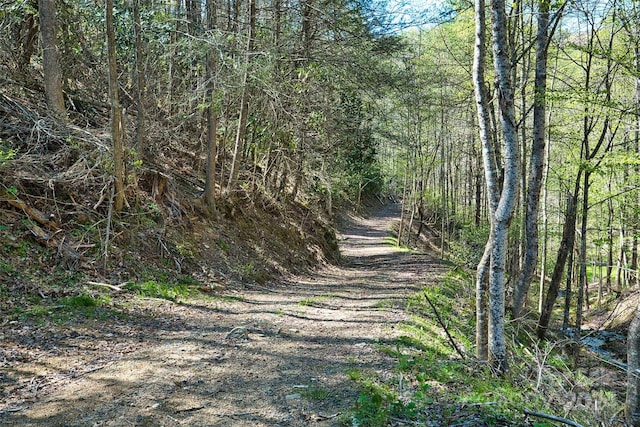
(198, 141)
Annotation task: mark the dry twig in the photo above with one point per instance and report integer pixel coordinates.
(551, 417)
(446, 330)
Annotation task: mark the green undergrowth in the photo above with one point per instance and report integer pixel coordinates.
(65, 309)
(67, 296)
(158, 289)
(393, 241)
(432, 383)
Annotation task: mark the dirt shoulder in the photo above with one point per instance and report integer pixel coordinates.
(277, 355)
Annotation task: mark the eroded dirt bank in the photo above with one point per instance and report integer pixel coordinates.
(262, 356)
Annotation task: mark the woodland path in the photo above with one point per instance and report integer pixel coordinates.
(287, 365)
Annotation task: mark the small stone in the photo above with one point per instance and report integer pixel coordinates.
(238, 332)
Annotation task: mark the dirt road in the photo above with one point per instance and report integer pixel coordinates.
(263, 356)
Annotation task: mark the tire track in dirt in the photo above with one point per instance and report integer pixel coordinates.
(269, 357)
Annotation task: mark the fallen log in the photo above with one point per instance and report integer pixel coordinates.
(31, 212)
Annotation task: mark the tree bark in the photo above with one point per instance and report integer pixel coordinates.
(508, 198)
(582, 273)
(116, 112)
(491, 178)
(212, 109)
(537, 164)
(25, 39)
(50, 63)
(140, 145)
(244, 104)
(566, 245)
(632, 404)
(568, 293)
(484, 124)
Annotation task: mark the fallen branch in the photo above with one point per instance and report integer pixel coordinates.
(9, 410)
(30, 211)
(69, 255)
(107, 285)
(551, 417)
(190, 409)
(236, 414)
(446, 330)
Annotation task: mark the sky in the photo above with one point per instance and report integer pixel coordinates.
(414, 14)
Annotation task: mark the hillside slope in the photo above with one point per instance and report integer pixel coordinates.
(58, 230)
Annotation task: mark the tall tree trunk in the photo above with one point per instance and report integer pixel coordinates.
(568, 293)
(482, 300)
(244, 103)
(545, 198)
(25, 38)
(403, 204)
(173, 62)
(606, 135)
(140, 145)
(491, 176)
(212, 108)
(636, 138)
(610, 244)
(566, 245)
(632, 404)
(509, 194)
(633, 30)
(50, 63)
(582, 275)
(116, 112)
(536, 171)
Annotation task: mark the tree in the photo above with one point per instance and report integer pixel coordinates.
(503, 205)
(631, 25)
(593, 56)
(632, 405)
(50, 63)
(537, 159)
(116, 112)
(490, 172)
(212, 108)
(238, 151)
(140, 144)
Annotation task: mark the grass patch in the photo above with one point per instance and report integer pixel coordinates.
(315, 392)
(64, 309)
(83, 301)
(390, 303)
(153, 289)
(252, 274)
(314, 301)
(392, 241)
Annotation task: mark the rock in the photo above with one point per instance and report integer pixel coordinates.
(239, 332)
